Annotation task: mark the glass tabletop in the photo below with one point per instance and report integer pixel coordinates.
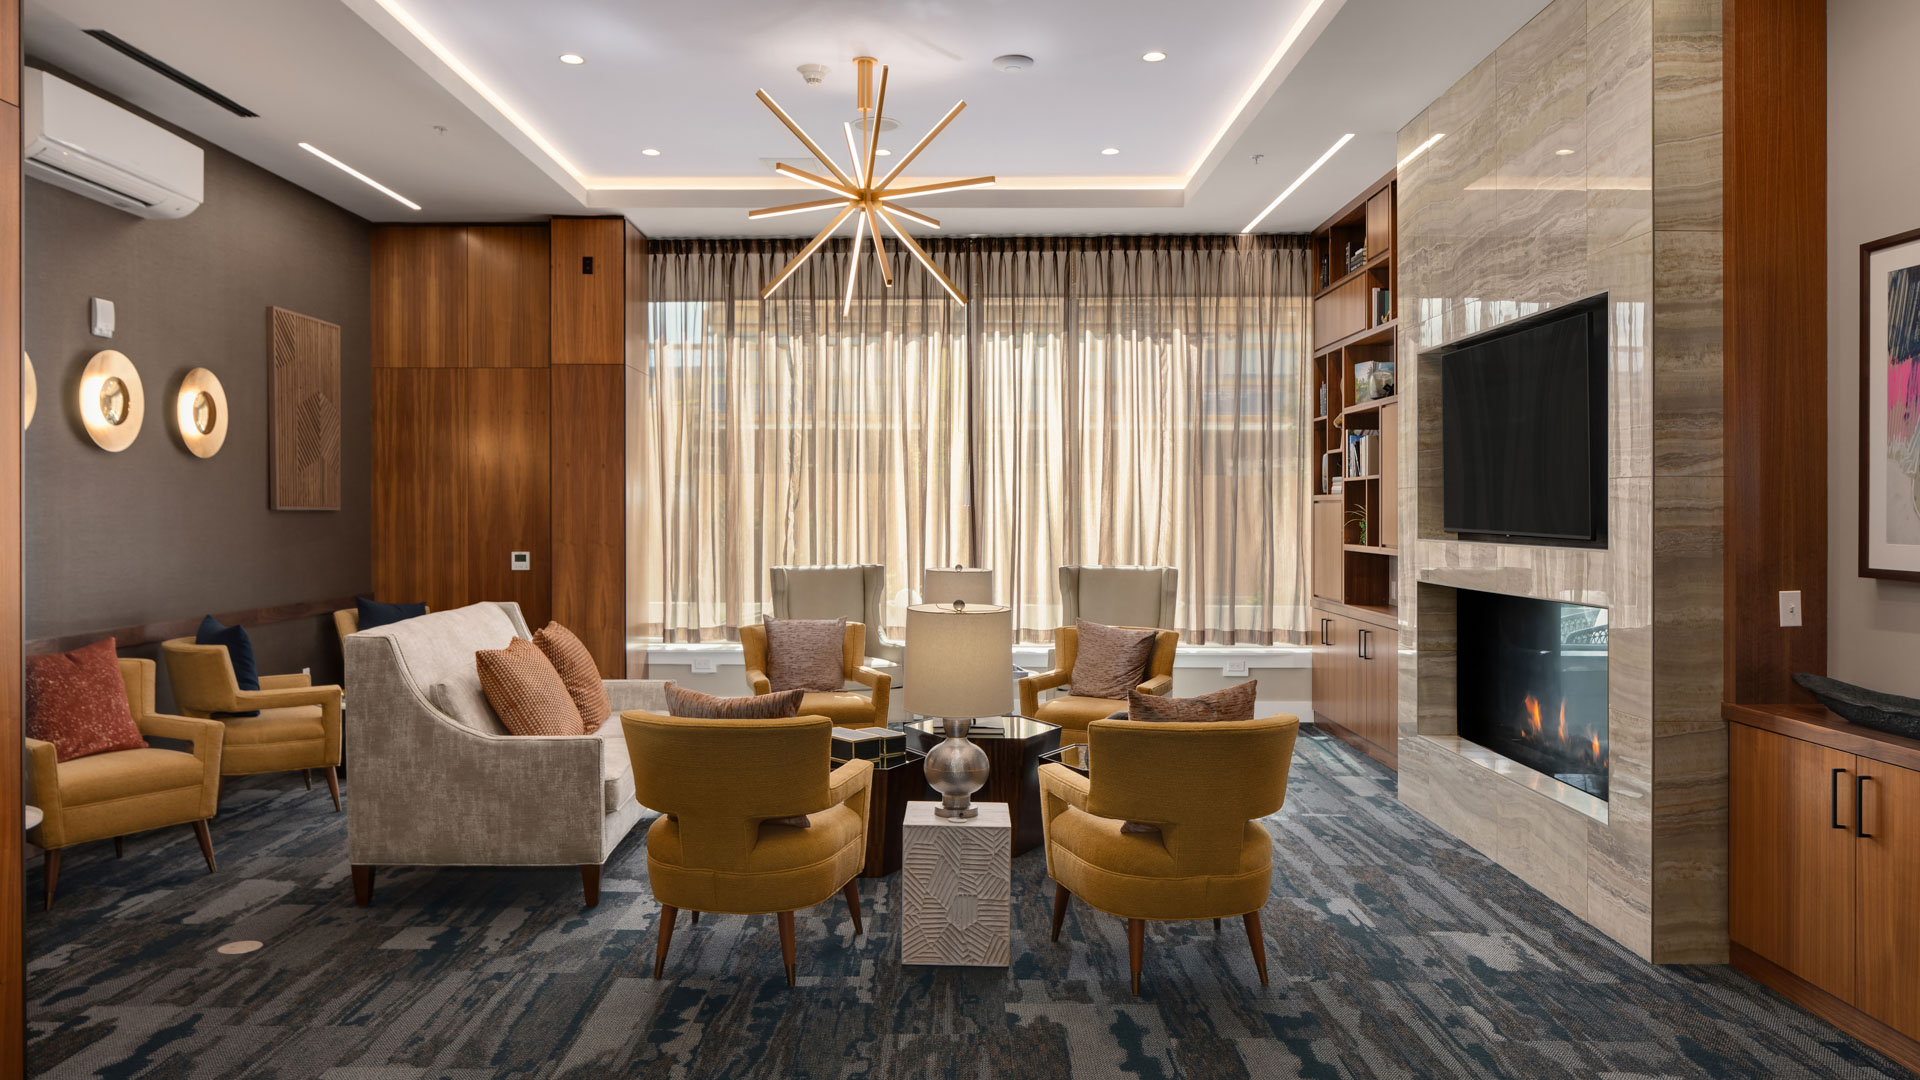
(1010, 727)
(1076, 756)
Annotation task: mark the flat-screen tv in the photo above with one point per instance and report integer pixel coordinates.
(1524, 428)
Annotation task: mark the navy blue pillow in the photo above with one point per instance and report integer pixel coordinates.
(239, 650)
(374, 613)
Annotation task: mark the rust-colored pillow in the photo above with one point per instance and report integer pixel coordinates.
(1110, 660)
(569, 657)
(1233, 703)
(78, 702)
(806, 654)
(526, 692)
(695, 705)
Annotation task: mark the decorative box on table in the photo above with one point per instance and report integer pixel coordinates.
(882, 746)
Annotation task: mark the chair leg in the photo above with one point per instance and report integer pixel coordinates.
(50, 868)
(206, 842)
(1252, 919)
(1216, 926)
(664, 932)
(333, 785)
(852, 893)
(696, 918)
(786, 943)
(1136, 944)
(119, 847)
(590, 882)
(1060, 898)
(362, 885)
(309, 775)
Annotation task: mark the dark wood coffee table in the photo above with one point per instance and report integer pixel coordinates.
(1013, 767)
(895, 784)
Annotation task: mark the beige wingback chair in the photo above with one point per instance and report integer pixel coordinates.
(299, 723)
(1206, 787)
(846, 708)
(122, 792)
(719, 785)
(1073, 712)
(438, 781)
(854, 593)
(1119, 595)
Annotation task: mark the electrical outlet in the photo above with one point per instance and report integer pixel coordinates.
(522, 560)
(307, 671)
(705, 665)
(1235, 669)
(1790, 608)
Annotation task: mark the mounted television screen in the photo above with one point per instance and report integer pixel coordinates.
(1523, 426)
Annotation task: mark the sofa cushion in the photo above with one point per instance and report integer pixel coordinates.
(526, 692)
(466, 704)
(846, 708)
(296, 723)
(806, 654)
(569, 656)
(695, 705)
(1233, 703)
(1110, 660)
(616, 766)
(78, 702)
(1075, 713)
(246, 673)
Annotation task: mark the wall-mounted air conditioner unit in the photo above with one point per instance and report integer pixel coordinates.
(86, 144)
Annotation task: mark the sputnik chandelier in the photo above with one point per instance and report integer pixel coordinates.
(857, 194)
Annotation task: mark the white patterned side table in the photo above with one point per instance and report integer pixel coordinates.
(958, 879)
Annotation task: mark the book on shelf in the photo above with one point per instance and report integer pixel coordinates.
(1382, 305)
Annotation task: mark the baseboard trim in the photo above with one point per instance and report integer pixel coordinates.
(1873, 1032)
(1346, 735)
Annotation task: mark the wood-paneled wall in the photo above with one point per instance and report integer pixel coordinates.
(502, 390)
(13, 1021)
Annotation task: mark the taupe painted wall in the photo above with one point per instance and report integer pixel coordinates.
(154, 533)
(1873, 626)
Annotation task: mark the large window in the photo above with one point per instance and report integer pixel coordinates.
(1101, 401)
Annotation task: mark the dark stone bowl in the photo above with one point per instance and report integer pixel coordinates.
(1890, 713)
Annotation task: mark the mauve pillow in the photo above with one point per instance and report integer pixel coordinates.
(1110, 659)
(1233, 703)
(805, 654)
(78, 702)
(694, 705)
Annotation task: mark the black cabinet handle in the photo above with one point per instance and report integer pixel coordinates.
(1360, 645)
(1833, 798)
(1324, 623)
(1859, 798)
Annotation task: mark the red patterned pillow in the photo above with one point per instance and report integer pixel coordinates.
(526, 692)
(571, 659)
(78, 702)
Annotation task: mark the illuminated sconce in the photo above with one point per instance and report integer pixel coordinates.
(112, 404)
(29, 391)
(201, 409)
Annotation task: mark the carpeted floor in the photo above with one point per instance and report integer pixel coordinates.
(1395, 952)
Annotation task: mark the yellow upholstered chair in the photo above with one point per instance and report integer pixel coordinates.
(1073, 712)
(127, 791)
(298, 726)
(719, 785)
(1205, 786)
(846, 708)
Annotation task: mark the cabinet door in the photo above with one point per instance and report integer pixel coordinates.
(1328, 553)
(1322, 663)
(1887, 971)
(1380, 223)
(1383, 688)
(1791, 885)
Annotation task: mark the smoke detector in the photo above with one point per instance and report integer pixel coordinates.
(814, 74)
(1013, 62)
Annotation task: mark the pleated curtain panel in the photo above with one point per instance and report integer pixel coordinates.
(1102, 401)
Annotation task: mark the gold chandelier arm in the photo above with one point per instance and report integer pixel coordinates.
(915, 215)
(805, 140)
(853, 262)
(921, 254)
(853, 154)
(813, 245)
(879, 246)
(944, 185)
(816, 180)
(873, 124)
(794, 208)
(922, 144)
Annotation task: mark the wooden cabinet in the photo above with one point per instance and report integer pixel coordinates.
(1326, 548)
(1356, 683)
(1886, 966)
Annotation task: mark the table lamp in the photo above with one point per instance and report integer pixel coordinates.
(957, 656)
(944, 585)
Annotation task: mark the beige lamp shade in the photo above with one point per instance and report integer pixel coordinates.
(201, 411)
(945, 585)
(957, 661)
(112, 404)
(29, 391)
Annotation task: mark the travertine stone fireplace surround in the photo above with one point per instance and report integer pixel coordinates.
(1581, 158)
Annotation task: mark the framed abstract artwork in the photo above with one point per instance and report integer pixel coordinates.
(1890, 407)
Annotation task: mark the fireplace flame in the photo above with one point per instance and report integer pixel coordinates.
(1533, 717)
(1532, 726)
(1563, 719)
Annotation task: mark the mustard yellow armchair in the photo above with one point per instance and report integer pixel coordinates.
(1074, 713)
(1205, 787)
(298, 726)
(846, 708)
(720, 786)
(127, 791)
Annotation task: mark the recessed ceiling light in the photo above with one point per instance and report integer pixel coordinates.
(651, 152)
(1564, 151)
(1421, 149)
(1153, 57)
(360, 176)
(1110, 151)
(572, 58)
(1301, 179)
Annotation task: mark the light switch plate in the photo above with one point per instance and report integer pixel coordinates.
(522, 560)
(706, 665)
(101, 314)
(1790, 608)
(1235, 669)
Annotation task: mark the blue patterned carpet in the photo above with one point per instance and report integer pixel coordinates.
(1395, 951)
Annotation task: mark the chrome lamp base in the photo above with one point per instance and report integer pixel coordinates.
(956, 768)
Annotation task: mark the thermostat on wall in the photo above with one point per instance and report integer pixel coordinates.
(522, 560)
(102, 317)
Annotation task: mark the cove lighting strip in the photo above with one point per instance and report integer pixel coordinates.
(360, 176)
(1298, 180)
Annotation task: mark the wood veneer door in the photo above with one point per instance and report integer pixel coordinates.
(1791, 887)
(419, 487)
(508, 508)
(589, 508)
(1322, 663)
(508, 283)
(590, 290)
(1383, 689)
(1887, 944)
(419, 304)
(1328, 555)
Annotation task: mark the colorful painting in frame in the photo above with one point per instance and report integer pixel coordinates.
(1890, 407)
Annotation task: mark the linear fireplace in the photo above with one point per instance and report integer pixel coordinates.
(1532, 684)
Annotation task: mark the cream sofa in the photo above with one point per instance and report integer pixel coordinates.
(438, 781)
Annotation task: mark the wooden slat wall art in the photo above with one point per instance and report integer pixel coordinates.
(303, 393)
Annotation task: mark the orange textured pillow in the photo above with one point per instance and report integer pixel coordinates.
(78, 702)
(526, 692)
(571, 659)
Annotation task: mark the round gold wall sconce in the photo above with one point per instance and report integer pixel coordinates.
(112, 404)
(201, 409)
(29, 391)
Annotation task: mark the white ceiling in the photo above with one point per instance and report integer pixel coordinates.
(463, 105)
